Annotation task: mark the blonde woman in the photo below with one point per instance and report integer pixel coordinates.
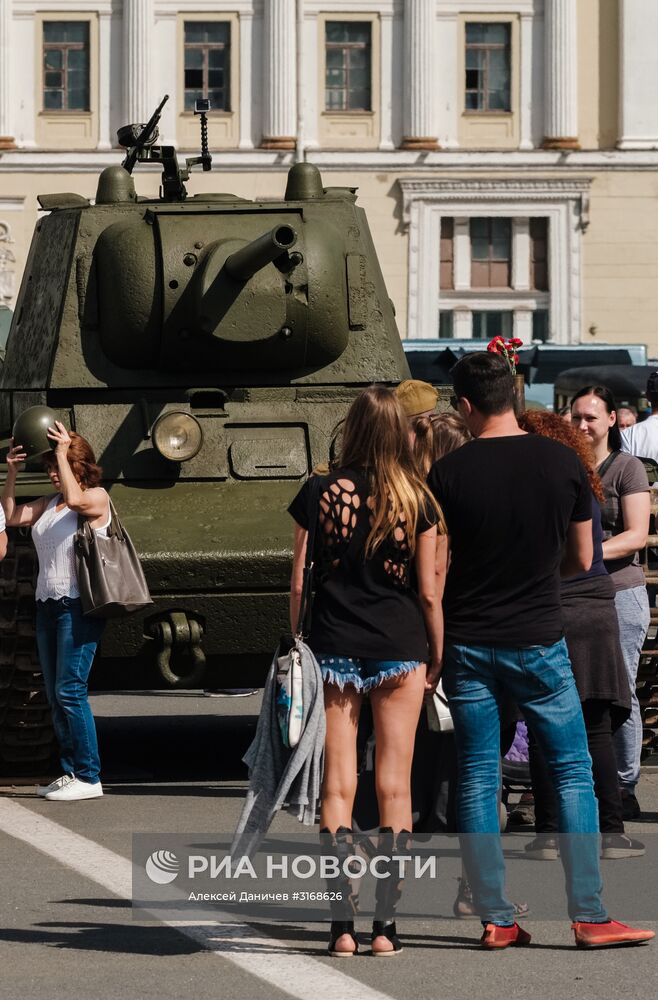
(372, 632)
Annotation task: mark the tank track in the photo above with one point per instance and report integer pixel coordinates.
(27, 742)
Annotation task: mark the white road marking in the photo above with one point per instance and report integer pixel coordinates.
(267, 958)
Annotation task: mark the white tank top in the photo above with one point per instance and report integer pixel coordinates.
(53, 536)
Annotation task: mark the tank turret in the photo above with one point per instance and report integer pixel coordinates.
(207, 346)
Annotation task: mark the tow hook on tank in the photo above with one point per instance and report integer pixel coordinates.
(179, 638)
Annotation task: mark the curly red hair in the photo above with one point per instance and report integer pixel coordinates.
(82, 461)
(555, 427)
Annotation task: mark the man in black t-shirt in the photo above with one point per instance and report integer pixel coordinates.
(518, 510)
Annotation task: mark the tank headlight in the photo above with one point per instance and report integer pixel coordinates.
(177, 436)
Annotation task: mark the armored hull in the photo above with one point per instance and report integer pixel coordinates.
(208, 349)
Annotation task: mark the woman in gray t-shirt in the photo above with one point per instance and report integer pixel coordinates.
(625, 520)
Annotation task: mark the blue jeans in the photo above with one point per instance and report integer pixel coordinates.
(67, 641)
(633, 614)
(541, 682)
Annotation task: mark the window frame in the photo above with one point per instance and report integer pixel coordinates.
(495, 310)
(564, 202)
(487, 48)
(342, 130)
(534, 261)
(64, 47)
(490, 260)
(224, 127)
(205, 48)
(346, 47)
(447, 260)
(492, 130)
(60, 129)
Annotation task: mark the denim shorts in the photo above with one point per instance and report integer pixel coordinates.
(363, 674)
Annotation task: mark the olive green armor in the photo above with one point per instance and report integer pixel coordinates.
(207, 347)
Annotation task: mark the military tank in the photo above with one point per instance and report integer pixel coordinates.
(208, 347)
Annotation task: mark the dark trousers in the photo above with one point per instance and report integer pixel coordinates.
(598, 726)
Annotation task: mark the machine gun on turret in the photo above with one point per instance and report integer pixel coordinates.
(138, 138)
(140, 141)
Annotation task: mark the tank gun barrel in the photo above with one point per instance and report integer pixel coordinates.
(244, 263)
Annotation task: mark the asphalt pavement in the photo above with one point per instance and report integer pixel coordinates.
(172, 762)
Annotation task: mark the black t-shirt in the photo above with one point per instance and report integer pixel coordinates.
(508, 502)
(363, 606)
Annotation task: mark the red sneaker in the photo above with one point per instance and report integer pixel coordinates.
(611, 932)
(496, 936)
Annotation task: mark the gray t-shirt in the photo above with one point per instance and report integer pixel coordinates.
(625, 475)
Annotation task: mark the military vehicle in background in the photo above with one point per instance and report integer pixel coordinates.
(207, 346)
(543, 366)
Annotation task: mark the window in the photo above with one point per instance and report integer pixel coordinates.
(540, 325)
(208, 64)
(490, 324)
(491, 253)
(539, 254)
(66, 66)
(488, 67)
(348, 80)
(447, 276)
(446, 325)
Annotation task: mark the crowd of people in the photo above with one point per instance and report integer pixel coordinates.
(495, 552)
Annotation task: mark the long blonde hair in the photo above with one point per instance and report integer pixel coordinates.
(376, 439)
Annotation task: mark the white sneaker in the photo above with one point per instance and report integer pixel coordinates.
(74, 790)
(42, 790)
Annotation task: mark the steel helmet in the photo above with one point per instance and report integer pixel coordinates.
(30, 428)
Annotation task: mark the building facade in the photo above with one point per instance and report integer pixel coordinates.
(506, 153)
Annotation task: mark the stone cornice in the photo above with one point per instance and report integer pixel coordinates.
(436, 190)
(474, 187)
(393, 161)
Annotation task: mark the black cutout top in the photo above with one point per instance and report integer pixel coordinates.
(363, 606)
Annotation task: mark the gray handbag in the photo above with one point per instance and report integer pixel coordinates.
(110, 576)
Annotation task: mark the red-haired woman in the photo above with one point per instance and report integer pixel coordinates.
(592, 634)
(66, 640)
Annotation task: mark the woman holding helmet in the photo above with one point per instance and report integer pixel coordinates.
(66, 640)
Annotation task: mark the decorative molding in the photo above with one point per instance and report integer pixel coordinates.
(477, 190)
(474, 300)
(452, 8)
(564, 202)
(401, 162)
(314, 7)
(166, 8)
(28, 8)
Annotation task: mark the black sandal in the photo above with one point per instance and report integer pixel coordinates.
(388, 931)
(389, 889)
(338, 928)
